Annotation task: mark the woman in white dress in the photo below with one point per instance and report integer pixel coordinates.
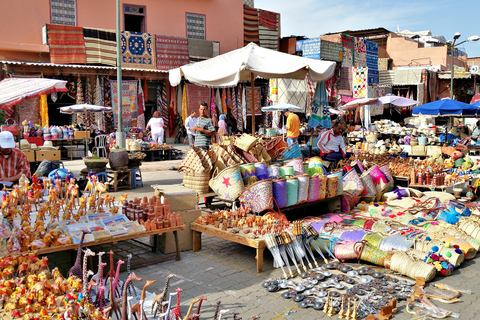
(157, 124)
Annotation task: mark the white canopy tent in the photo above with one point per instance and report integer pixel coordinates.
(246, 63)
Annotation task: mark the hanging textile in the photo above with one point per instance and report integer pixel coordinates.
(239, 108)
(250, 25)
(165, 104)
(273, 91)
(213, 109)
(89, 100)
(348, 47)
(44, 110)
(80, 117)
(107, 101)
(360, 76)
(360, 53)
(310, 87)
(129, 106)
(138, 50)
(66, 44)
(276, 119)
(179, 97)
(172, 112)
(244, 107)
(234, 103)
(184, 105)
(141, 107)
(320, 114)
(100, 46)
(97, 100)
(145, 92)
(224, 101)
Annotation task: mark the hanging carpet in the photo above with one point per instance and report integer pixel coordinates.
(171, 52)
(100, 46)
(66, 44)
(138, 50)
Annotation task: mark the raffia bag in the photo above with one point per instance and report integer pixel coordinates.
(257, 196)
(227, 183)
(245, 142)
(197, 167)
(274, 146)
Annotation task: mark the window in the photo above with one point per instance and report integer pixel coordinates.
(196, 26)
(134, 18)
(63, 12)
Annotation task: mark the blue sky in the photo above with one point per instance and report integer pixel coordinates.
(312, 18)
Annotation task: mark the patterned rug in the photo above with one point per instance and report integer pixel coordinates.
(346, 81)
(63, 12)
(100, 46)
(171, 52)
(138, 50)
(129, 102)
(66, 44)
(267, 19)
(360, 82)
(360, 53)
(250, 25)
(195, 95)
(258, 100)
(372, 61)
(348, 44)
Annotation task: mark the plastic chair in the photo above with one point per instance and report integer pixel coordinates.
(136, 178)
(101, 144)
(102, 176)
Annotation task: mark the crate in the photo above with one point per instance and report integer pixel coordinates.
(81, 134)
(50, 155)
(30, 155)
(418, 151)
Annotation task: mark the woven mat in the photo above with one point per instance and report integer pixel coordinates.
(100, 46)
(66, 44)
(250, 25)
(171, 52)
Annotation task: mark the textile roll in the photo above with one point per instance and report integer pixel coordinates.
(353, 235)
(374, 238)
(315, 165)
(353, 183)
(248, 181)
(303, 184)
(373, 255)
(273, 172)
(279, 188)
(368, 183)
(257, 196)
(331, 190)
(322, 187)
(345, 251)
(340, 188)
(292, 191)
(248, 170)
(297, 165)
(313, 188)
(286, 171)
(261, 171)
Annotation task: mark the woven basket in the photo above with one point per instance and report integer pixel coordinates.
(371, 137)
(303, 184)
(292, 191)
(228, 183)
(197, 181)
(257, 196)
(291, 152)
(245, 142)
(227, 140)
(297, 165)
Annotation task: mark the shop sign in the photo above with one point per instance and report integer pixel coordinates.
(299, 45)
(311, 48)
(331, 51)
(474, 69)
(459, 72)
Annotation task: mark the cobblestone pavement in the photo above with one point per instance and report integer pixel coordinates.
(226, 271)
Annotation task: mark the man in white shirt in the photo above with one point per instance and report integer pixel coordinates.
(189, 124)
(331, 144)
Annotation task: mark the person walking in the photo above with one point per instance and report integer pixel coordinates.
(189, 124)
(292, 126)
(156, 124)
(222, 126)
(204, 129)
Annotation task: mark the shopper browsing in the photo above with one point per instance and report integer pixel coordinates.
(189, 124)
(204, 129)
(292, 126)
(13, 162)
(156, 124)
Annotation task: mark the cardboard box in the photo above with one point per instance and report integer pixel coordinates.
(166, 241)
(30, 155)
(179, 197)
(418, 151)
(81, 134)
(50, 155)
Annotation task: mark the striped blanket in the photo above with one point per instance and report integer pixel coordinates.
(268, 38)
(100, 46)
(250, 25)
(171, 52)
(66, 44)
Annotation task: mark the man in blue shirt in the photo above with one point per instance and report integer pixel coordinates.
(204, 128)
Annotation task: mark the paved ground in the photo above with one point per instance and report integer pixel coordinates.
(227, 271)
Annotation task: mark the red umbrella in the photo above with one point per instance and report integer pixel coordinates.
(475, 98)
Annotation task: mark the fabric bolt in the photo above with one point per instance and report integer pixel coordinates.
(100, 46)
(202, 139)
(66, 44)
(14, 164)
(138, 50)
(250, 25)
(129, 101)
(171, 52)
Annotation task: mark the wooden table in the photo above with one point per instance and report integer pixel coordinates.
(114, 240)
(241, 238)
(116, 176)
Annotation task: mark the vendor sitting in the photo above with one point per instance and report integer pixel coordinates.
(13, 162)
(476, 131)
(331, 144)
(315, 150)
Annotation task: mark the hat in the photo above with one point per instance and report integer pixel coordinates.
(6, 140)
(48, 145)
(24, 144)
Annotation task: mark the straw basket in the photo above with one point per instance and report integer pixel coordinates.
(228, 183)
(303, 184)
(371, 137)
(292, 191)
(245, 142)
(197, 181)
(257, 195)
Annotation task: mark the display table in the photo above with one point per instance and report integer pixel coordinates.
(72, 142)
(156, 155)
(114, 240)
(241, 238)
